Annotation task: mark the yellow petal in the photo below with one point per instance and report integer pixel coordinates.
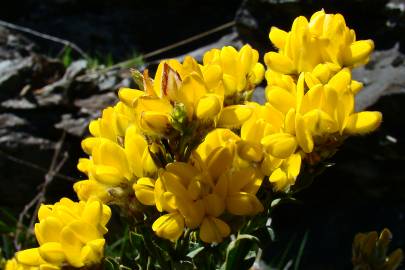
(356, 86)
(341, 81)
(363, 122)
(322, 73)
(83, 231)
(230, 84)
(303, 135)
(289, 124)
(144, 190)
(92, 212)
(214, 205)
(243, 179)
(208, 106)
(184, 171)
(135, 145)
(169, 82)
(92, 253)
(278, 37)
(258, 71)
(129, 96)
(270, 164)
(311, 80)
(52, 252)
(245, 58)
(110, 154)
(84, 165)
(48, 230)
(87, 189)
(280, 145)
(71, 246)
(358, 52)
(94, 128)
(169, 226)
(293, 164)
(250, 151)
(174, 184)
(211, 56)
(234, 116)
(193, 212)
(212, 75)
(192, 89)
(279, 63)
(280, 98)
(108, 175)
(155, 122)
(280, 179)
(219, 161)
(88, 144)
(243, 204)
(229, 57)
(29, 257)
(213, 230)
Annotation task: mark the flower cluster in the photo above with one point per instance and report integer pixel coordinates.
(68, 233)
(188, 151)
(192, 145)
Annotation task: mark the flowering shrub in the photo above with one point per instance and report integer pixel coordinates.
(194, 165)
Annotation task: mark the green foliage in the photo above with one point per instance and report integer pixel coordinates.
(66, 56)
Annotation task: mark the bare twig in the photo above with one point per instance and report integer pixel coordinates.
(177, 44)
(40, 197)
(35, 166)
(27, 30)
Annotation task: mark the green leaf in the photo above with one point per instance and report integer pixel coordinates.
(195, 252)
(238, 250)
(301, 251)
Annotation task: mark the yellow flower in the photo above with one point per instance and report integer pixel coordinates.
(201, 93)
(69, 232)
(114, 168)
(324, 39)
(197, 194)
(268, 139)
(316, 113)
(240, 69)
(13, 264)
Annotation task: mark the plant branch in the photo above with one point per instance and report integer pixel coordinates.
(27, 30)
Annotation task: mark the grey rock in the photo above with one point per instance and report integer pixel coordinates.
(74, 126)
(384, 75)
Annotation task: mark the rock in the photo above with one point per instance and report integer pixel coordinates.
(39, 101)
(382, 76)
(13, 45)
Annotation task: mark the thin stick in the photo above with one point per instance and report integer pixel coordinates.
(40, 197)
(177, 44)
(190, 39)
(44, 36)
(35, 166)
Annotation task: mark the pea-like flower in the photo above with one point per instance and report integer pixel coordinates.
(69, 234)
(325, 38)
(241, 71)
(197, 194)
(113, 168)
